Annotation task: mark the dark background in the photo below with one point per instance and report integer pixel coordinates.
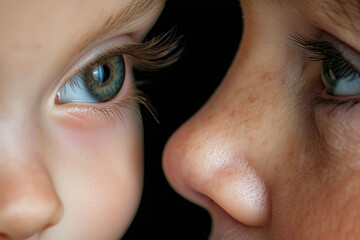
(211, 31)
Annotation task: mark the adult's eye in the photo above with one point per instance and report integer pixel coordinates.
(338, 72)
(100, 82)
(340, 78)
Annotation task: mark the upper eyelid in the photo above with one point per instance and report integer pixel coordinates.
(157, 53)
(328, 47)
(90, 58)
(316, 50)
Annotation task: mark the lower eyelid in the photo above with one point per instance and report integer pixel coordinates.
(96, 117)
(86, 117)
(325, 100)
(333, 116)
(88, 114)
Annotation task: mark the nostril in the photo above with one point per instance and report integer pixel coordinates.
(22, 221)
(48, 226)
(3, 236)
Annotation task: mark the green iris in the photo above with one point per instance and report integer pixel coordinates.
(105, 80)
(328, 76)
(340, 79)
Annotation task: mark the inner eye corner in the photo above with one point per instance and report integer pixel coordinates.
(56, 100)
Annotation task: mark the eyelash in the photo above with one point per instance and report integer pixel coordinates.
(152, 55)
(323, 51)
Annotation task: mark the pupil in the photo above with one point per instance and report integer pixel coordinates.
(106, 72)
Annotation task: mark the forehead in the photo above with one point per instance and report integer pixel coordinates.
(330, 7)
(45, 37)
(38, 18)
(340, 18)
(50, 23)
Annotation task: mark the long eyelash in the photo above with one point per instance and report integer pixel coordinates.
(157, 53)
(325, 52)
(116, 110)
(151, 55)
(317, 100)
(319, 50)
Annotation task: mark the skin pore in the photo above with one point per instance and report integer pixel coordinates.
(274, 153)
(72, 170)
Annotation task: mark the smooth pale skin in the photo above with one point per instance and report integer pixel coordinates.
(64, 174)
(259, 156)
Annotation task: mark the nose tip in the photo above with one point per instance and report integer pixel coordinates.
(28, 204)
(197, 165)
(24, 218)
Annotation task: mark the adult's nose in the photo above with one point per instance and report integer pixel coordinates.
(29, 203)
(202, 162)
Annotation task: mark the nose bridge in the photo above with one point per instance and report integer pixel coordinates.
(20, 133)
(28, 199)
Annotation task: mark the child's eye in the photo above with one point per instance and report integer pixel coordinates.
(99, 82)
(99, 76)
(340, 78)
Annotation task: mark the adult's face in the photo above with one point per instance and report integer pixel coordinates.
(274, 154)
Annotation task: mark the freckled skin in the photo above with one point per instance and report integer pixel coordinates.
(262, 114)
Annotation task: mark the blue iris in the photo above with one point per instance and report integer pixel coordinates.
(340, 78)
(99, 84)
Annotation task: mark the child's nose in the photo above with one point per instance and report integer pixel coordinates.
(28, 200)
(202, 163)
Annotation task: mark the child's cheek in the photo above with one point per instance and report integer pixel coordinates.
(94, 134)
(99, 175)
(112, 147)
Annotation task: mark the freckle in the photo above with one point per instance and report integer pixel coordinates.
(251, 99)
(264, 75)
(245, 122)
(267, 76)
(17, 46)
(245, 53)
(238, 92)
(36, 46)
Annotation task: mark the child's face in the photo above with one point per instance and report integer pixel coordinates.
(275, 153)
(70, 166)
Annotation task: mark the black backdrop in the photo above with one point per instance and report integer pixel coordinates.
(211, 32)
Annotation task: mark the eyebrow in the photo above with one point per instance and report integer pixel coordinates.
(339, 12)
(135, 10)
(130, 14)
